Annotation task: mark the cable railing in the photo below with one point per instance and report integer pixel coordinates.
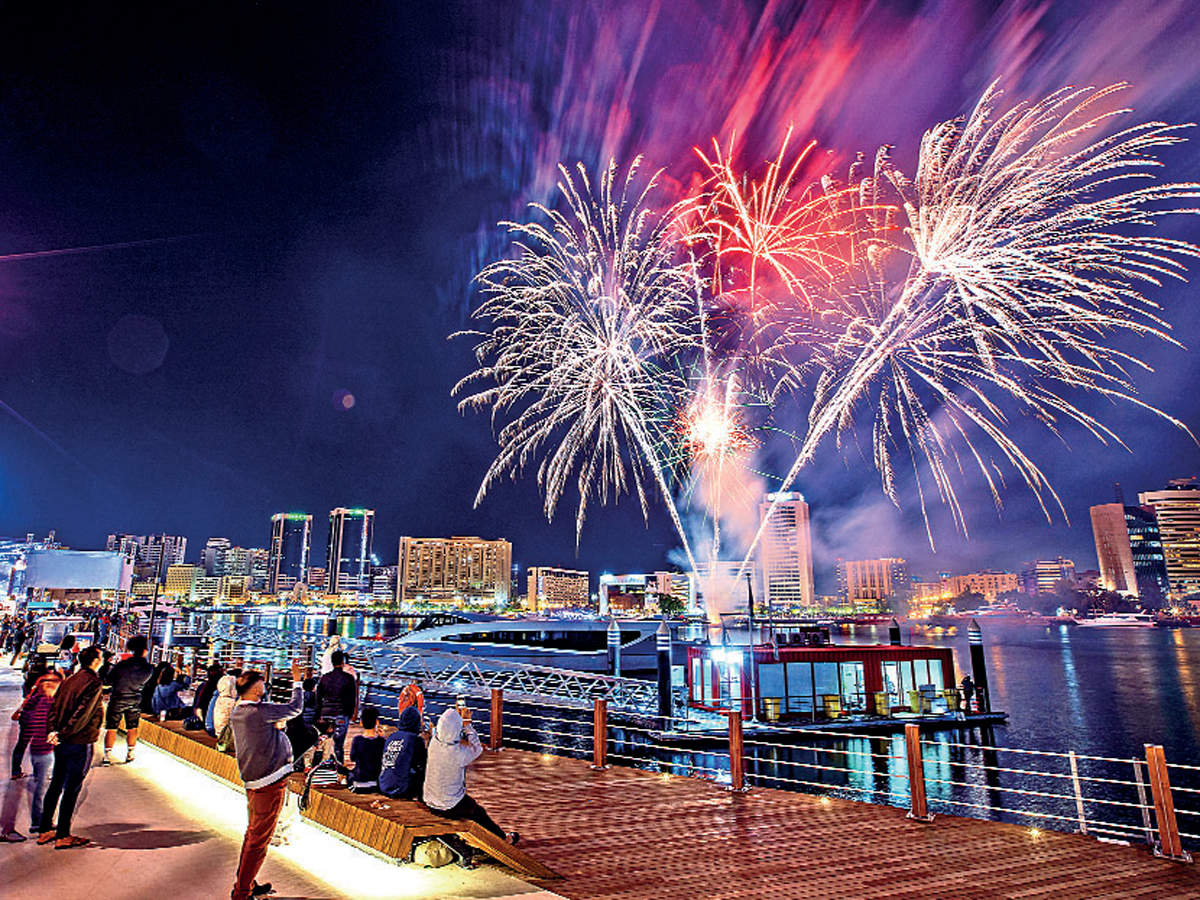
(1110, 798)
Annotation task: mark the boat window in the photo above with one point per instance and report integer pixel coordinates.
(799, 687)
(891, 681)
(921, 671)
(770, 682)
(826, 682)
(935, 674)
(853, 686)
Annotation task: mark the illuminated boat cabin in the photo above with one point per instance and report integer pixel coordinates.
(806, 676)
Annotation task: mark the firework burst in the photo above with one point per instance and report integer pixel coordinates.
(587, 321)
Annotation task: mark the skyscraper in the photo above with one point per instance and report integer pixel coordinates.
(214, 556)
(169, 549)
(785, 553)
(1129, 549)
(1042, 576)
(1177, 508)
(348, 554)
(287, 560)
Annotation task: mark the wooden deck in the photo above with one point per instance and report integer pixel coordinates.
(622, 833)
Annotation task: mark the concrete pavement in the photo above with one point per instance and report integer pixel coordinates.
(164, 830)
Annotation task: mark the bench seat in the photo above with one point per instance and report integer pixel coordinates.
(390, 832)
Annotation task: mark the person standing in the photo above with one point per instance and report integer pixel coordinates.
(19, 635)
(335, 644)
(264, 758)
(35, 727)
(74, 727)
(337, 699)
(127, 679)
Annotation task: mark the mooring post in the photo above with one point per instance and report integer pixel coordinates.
(600, 734)
(1169, 845)
(662, 642)
(496, 726)
(916, 773)
(614, 647)
(737, 759)
(979, 667)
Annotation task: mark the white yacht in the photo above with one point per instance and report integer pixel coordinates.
(1118, 620)
(580, 644)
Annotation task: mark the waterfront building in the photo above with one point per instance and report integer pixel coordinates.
(719, 586)
(383, 583)
(348, 553)
(550, 588)
(214, 556)
(1130, 551)
(287, 557)
(206, 588)
(642, 593)
(160, 551)
(455, 570)
(181, 582)
(785, 551)
(990, 583)
(234, 588)
(1042, 576)
(316, 578)
(1177, 508)
(873, 585)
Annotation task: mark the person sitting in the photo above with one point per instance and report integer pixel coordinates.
(454, 746)
(402, 775)
(147, 701)
(207, 690)
(166, 703)
(210, 724)
(366, 754)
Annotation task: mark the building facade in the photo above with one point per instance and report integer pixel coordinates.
(990, 583)
(1177, 509)
(785, 551)
(1130, 551)
(348, 554)
(1042, 576)
(288, 553)
(181, 582)
(549, 589)
(873, 585)
(214, 556)
(456, 570)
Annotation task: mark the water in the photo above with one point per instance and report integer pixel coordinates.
(1100, 692)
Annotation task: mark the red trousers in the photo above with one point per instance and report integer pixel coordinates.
(263, 805)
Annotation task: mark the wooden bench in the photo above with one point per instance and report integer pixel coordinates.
(390, 832)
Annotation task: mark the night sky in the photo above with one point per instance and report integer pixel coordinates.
(309, 189)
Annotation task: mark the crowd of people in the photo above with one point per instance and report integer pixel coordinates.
(71, 697)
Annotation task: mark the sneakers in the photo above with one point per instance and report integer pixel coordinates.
(514, 837)
(129, 757)
(46, 838)
(261, 890)
(107, 761)
(12, 837)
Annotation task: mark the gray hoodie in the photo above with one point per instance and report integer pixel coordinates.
(449, 756)
(264, 753)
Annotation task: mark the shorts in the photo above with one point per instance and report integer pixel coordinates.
(131, 713)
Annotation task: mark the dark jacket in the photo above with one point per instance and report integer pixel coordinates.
(336, 694)
(78, 709)
(127, 679)
(366, 754)
(404, 754)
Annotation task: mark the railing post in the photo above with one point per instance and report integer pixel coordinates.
(737, 750)
(496, 726)
(1147, 827)
(1169, 845)
(1078, 793)
(600, 734)
(916, 773)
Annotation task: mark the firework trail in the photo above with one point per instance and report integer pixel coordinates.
(1026, 255)
(587, 322)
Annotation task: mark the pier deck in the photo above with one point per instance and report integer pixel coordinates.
(624, 833)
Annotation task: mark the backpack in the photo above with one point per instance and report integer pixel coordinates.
(432, 854)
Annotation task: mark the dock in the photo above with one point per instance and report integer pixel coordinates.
(626, 834)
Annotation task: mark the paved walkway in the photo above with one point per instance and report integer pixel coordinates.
(150, 843)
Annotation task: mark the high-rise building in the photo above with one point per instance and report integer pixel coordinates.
(785, 551)
(234, 588)
(1177, 508)
(1042, 576)
(643, 593)
(550, 588)
(383, 583)
(874, 585)
(1130, 551)
(454, 570)
(163, 550)
(722, 586)
(214, 556)
(287, 560)
(125, 544)
(348, 554)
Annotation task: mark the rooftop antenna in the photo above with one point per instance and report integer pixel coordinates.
(1118, 493)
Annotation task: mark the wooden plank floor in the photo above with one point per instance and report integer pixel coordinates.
(623, 833)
